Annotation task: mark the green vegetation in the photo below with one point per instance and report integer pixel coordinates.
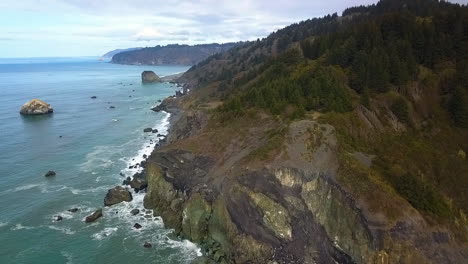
(409, 57)
(297, 84)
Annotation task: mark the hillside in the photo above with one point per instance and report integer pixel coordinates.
(170, 54)
(339, 139)
(110, 54)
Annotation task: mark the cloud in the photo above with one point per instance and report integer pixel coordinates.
(94, 26)
(148, 34)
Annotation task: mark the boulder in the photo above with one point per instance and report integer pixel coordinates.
(148, 129)
(58, 218)
(36, 107)
(137, 226)
(127, 181)
(154, 131)
(150, 77)
(50, 174)
(91, 218)
(117, 195)
(135, 211)
(73, 210)
(138, 184)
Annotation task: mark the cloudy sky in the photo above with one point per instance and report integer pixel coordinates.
(58, 28)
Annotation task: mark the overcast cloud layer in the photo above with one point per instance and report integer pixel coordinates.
(46, 28)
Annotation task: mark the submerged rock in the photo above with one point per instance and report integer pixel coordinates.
(147, 245)
(154, 131)
(50, 174)
(73, 210)
(137, 226)
(148, 129)
(117, 195)
(135, 211)
(36, 107)
(149, 77)
(58, 218)
(93, 217)
(93, 97)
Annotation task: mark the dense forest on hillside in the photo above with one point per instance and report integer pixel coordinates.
(403, 61)
(376, 52)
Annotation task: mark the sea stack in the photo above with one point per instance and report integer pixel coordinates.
(36, 107)
(150, 77)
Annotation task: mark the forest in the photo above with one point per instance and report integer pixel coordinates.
(371, 50)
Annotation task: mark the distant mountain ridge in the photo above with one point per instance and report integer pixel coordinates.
(110, 54)
(171, 54)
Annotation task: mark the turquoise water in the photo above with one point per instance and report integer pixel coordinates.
(96, 144)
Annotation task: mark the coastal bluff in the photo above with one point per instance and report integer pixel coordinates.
(150, 77)
(36, 107)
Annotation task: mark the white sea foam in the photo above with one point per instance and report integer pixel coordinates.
(64, 230)
(68, 256)
(24, 188)
(2, 224)
(21, 227)
(107, 232)
(89, 190)
(162, 128)
(99, 158)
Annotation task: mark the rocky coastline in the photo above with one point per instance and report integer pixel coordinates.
(290, 209)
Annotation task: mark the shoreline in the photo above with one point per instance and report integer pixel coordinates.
(134, 173)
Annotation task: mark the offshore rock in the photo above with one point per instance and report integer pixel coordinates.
(36, 107)
(50, 174)
(150, 77)
(91, 218)
(117, 195)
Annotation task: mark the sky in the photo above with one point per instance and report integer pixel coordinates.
(69, 28)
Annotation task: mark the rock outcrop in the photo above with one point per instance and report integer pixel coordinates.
(150, 77)
(94, 216)
(288, 208)
(117, 195)
(50, 174)
(36, 107)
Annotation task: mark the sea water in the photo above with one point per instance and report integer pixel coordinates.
(88, 144)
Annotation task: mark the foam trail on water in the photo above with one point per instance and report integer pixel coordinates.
(64, 230)
(107, 232)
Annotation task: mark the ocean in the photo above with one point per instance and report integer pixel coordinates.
(88, 144)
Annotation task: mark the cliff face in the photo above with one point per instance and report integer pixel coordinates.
(271, 193)
(170, 54)
(334, 140)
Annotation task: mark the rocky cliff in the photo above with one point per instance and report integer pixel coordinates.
(292, 149)
(246, 201)
(289, 209)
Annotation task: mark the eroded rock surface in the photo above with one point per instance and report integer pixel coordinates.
(150, 77)
(36, 107)
(117, 195)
